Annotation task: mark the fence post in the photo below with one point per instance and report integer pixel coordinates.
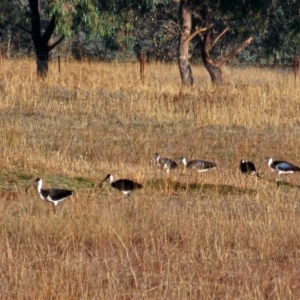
(58, 60)
(142, 67)
(296, 67)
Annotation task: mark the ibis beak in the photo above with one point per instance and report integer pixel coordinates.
(100, 184)
(153, 158)
(30, 185)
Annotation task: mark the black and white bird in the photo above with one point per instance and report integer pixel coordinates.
(282, 167)
(198, 165)
(126, 186)
(164, 163)
(52, 195)
(247, 167)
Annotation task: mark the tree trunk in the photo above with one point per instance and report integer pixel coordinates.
(42, 60)
(213, 69)
(42, 67)
(184, 42)
(215, 73)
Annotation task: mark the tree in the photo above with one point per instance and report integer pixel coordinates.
(213, 31)
(207, 42)
(41, 41)
(94, 17)
(65, 16)
(208, 22)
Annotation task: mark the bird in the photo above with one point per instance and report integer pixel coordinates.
(126, 186)
(247, 167)
(52, 195)
(164, 163)
(282, 167)
(197, 164)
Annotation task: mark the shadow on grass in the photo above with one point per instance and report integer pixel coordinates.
(205, 188)
(285, 184)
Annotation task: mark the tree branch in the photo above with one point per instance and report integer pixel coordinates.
(233, 53)
(56, 43)
(219, 36)
(169, 30)
(197, 31)
(198, 16)
(25, 29)
(50, 29)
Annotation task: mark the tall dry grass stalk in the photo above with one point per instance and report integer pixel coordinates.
(217, 235)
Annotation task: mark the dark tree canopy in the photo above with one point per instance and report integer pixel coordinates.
(219, 30)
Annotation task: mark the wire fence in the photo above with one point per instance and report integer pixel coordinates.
(290, 65)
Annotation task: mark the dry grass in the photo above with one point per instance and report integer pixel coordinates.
(217, 235)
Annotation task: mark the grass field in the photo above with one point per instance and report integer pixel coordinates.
(217, 235)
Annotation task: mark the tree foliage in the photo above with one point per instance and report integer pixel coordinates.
(116, 28)
(281, 32)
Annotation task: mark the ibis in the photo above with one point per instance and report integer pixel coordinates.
(282, 167)
(52, 195)
(198, 165)
(126, 186)
(164, 163)
(247, 167)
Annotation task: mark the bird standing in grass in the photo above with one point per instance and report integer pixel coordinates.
(52, 195)
(164, 163)
(126, 186)
(247, 167)
(198, 165)
(282, 167)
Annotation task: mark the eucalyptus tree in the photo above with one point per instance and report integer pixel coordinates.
(96, 17)
(64, 17)
(203, 24)
(207, 22)
(218, 29)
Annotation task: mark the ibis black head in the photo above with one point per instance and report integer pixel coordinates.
(37, 180)
(156, 155)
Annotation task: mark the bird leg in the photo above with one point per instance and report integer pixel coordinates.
(287, 179)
